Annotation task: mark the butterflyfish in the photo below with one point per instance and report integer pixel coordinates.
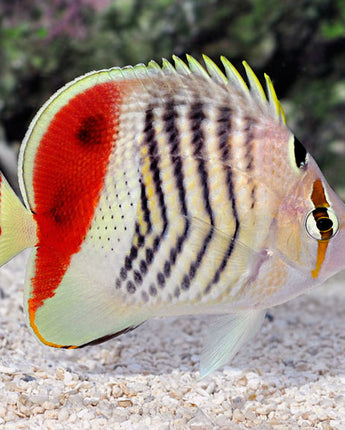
(167, 190)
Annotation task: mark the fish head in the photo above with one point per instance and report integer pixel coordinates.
(310, 227)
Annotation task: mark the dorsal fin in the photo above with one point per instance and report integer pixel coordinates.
(214, 71)
(273, 100)
(234, 79)
(196, 67)
(180, 66)
(142, 74)
(255, 86)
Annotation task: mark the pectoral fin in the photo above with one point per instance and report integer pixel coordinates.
(226, 336)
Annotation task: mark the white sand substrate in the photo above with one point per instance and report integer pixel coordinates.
(291, 376)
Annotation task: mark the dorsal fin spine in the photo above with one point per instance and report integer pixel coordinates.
(196, 67)
(181, 67)
(214, 70)
(140, 71)
(167, 66)
(273, 99)
(152, 65)
(255, 86)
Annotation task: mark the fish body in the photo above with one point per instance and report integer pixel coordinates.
(153, 191)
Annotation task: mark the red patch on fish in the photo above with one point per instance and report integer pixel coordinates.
(69, 170)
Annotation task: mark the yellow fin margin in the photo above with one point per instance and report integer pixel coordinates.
(214, 70)
(273, 99)
(255, 86)
(233, 75)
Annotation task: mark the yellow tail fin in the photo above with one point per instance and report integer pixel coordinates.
(17, 226)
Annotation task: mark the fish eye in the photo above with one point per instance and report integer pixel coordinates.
(322, 223)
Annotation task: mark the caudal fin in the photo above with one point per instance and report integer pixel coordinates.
(17, 226)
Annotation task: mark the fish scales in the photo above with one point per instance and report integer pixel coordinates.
(153, 191)
(160, 132)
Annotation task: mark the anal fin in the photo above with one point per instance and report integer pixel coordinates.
(226, 336)
(110, 336)
(80, 310)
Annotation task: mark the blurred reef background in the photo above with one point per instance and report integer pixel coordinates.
(300, 44)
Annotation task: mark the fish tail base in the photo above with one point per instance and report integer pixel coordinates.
(17, 226)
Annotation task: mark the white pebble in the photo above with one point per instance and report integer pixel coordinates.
(147, 380)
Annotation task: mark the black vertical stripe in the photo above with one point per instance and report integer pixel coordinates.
(154, 160)
(197, 118)
(145, 207)
(249, 156)
(248, 144)
(170, 127)
(224, 130)
(173, 139)
(151, 142)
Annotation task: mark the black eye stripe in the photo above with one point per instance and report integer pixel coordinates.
(323, 223)
(300, 154)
